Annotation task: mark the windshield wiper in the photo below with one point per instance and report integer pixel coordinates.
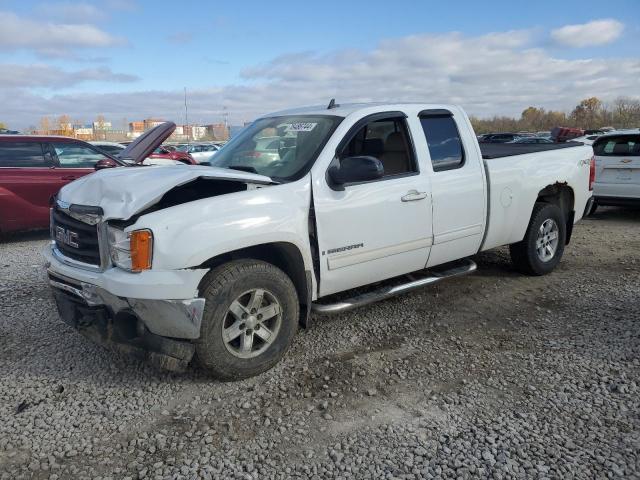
(243, 168)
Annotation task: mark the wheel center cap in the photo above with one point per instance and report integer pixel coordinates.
(251, 321)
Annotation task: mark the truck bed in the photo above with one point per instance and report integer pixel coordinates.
(499, 150)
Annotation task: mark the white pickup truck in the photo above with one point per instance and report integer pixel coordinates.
(357, 203)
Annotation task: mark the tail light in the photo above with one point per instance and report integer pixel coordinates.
(592, 172)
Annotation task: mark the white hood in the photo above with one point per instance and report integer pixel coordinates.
(122, 192)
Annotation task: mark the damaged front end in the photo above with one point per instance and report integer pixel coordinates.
(122, 323)
(98, 283)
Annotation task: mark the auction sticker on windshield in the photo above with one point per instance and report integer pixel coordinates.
(301, 127)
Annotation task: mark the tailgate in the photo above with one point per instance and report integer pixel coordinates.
(618, 169)
(618, 159)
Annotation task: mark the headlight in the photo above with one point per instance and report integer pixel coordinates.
(131, 251)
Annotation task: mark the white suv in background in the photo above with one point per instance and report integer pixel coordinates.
(617, 170)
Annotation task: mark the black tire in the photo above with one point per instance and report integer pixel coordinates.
(592, 209)
(221, 287)
(524, 254)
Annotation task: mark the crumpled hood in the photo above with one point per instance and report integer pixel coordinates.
(122, 192)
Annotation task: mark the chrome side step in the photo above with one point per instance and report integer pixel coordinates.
(427, 277)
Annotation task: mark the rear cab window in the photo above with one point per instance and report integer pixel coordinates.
(22, 154)
(617, 146)
(443, 140)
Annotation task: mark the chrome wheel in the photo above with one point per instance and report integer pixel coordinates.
(252, 323)
(547, 240)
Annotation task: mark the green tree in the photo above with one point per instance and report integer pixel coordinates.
(588, 113)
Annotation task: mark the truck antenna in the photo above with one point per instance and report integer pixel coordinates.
(332, 104)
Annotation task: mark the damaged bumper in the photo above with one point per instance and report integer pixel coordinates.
(155, 329)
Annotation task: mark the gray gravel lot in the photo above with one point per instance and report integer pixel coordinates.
(494, 375)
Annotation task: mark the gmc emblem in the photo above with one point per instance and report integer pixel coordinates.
(67, 237)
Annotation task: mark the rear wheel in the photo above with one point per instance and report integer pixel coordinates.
(543, 245)
(250, 318)
(592, 209)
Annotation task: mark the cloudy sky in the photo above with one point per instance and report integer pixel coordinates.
(132, 59)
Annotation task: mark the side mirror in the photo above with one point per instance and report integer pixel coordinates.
(104, 163)
(356, 169)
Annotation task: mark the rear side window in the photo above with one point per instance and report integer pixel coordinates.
(71, 155)
(22, 154)
(444, 142)
(624, 145)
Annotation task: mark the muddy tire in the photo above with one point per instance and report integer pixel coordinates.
(250, 318)
(543, 245)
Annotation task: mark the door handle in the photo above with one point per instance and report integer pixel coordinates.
(413, 195)
(69, 177)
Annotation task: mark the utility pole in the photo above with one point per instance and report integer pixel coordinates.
(186, 113)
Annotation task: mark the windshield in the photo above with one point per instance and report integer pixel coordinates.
(282, 148)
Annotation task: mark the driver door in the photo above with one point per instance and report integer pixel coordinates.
(378, 229)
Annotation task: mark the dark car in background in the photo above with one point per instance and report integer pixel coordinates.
(499, 138)
(33, 169)
(537, 140)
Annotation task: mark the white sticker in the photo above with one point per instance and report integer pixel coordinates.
(301, 127)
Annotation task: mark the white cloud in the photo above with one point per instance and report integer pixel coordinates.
(27, 76)
(71, 12)
(498, 73)
(598, 32)
(48, 38)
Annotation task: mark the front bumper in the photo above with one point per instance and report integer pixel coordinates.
(121, 331)
(166, 302)
(153, 316)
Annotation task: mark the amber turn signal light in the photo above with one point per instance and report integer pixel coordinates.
(141, 242)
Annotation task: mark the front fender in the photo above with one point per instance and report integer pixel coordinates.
(189, 234)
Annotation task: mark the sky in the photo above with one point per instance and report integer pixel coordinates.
(129, 60)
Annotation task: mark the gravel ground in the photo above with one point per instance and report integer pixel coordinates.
(494, 375)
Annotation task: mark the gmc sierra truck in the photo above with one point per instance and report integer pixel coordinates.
(350, 204)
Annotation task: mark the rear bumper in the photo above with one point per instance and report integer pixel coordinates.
(617, 201)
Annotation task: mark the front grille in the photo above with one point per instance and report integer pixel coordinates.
(83, 235)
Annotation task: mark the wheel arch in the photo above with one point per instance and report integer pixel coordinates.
(284, 255)
(561, 195)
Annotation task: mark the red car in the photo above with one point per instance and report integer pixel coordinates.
(168, 152)
(33, 169)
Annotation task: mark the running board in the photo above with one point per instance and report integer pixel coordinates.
(428, 277)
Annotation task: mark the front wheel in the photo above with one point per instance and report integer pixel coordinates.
(543, 245)
(250, 318)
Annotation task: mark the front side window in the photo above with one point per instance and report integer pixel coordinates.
(624, 145)
(112, 149)
(282, 148)
(22, 154)
(387, 140)
(443, 139)
(71, 155)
